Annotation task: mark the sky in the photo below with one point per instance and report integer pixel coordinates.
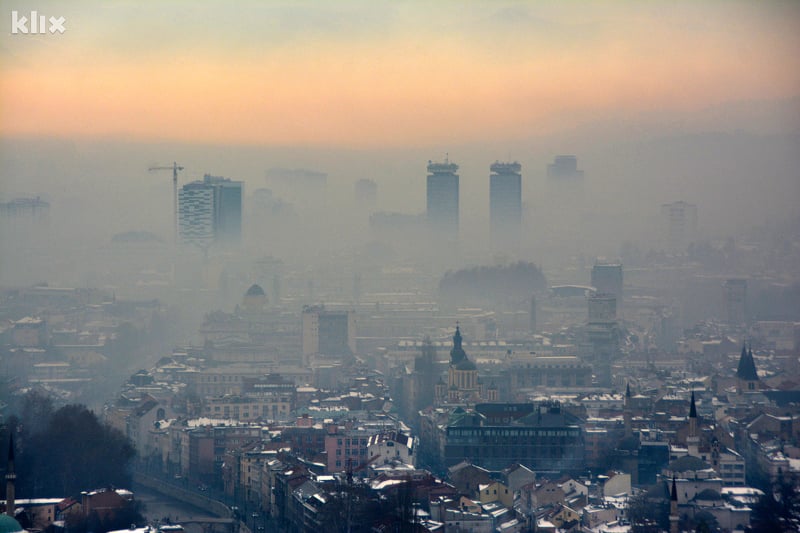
(397, 74)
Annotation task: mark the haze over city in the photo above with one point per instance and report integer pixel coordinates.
(612, 183)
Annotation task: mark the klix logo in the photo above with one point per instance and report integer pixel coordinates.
(35, 23)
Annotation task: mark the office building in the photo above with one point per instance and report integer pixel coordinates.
(25, 208)
(602, 335)
(505, 203)
(328, 333)
(680, 223)
(736, 301)
(607, 279)
(602, 309)
(442, 198)
(306, 190)
(196, 214)
(227, 208)
(210, 211)
(564, 167)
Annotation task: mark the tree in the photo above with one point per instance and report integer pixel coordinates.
(73, 452)
(36, 410)
(648, 514)
(778, 509)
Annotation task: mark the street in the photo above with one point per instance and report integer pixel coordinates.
(160, 508)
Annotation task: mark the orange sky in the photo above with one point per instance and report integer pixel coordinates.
(386, 74)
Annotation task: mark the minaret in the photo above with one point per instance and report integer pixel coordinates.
(673, 508)
(693, 440)
(11, 478)
(626, 411)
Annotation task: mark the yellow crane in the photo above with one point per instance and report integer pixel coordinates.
(174, 168)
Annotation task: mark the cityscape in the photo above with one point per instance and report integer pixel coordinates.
(396, 267)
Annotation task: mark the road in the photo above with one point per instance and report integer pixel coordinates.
(159, 506)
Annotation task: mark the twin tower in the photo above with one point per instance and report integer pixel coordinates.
(505, 200)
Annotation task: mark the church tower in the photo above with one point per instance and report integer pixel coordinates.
(746, 374)
(462, 375)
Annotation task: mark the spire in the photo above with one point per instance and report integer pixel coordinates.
(746, 371)
(11, 450)
(674, 518)
(692, 408)
(628, 390)
(457, 354)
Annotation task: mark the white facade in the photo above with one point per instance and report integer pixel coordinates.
(196, 214)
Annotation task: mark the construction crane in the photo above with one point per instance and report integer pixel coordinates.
(174, 168)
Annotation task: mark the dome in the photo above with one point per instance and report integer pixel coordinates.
(255, 290)
(254, 299)
(9, 525)
(465, 364)
(708, 495)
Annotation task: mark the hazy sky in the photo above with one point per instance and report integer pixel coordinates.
(393, 74)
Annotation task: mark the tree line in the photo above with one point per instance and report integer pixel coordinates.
(62, 452)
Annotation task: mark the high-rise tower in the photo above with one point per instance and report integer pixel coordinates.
(680, 224)
(736, 301)
(210, 211)
(442, 198)
(505, 204)
(564, 167)
(607, 279)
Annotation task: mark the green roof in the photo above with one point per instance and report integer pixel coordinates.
(9, 525)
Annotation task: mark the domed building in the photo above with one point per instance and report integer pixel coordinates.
(462, 374)
(9, 525)
(255, 299)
